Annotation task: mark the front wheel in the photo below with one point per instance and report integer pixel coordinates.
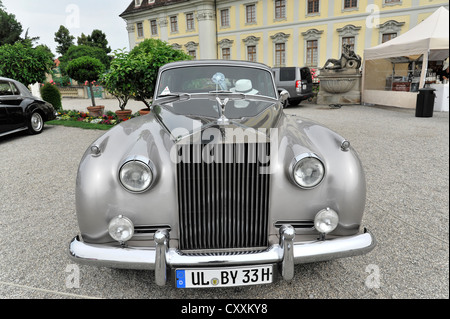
(36, 123)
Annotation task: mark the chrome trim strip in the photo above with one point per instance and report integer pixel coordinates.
(14, 131)
(147, 258)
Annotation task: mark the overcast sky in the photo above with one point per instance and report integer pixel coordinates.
(43, 18)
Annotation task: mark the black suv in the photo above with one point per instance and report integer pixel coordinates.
(297, 81)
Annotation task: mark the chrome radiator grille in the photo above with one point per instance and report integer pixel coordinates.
(223, 204)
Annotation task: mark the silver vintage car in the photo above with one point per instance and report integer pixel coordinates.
(217, 186)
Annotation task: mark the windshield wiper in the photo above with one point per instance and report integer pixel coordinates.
(172, 96)
(219, 91)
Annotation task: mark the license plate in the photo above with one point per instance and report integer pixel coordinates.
(224, 277)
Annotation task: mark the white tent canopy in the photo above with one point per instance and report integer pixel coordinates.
(431, 34)
(429, 40)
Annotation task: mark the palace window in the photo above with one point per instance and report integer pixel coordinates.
(388, 36)
(154, 27)
(173, 24)
(350, 4)
(225, 18)
(311, 52)
(350, 41)
(389, 30)
(279, 40)
(226, 54)
(280, 9)
(193, 53)
(251, 53)
(140, 29)
(225, 45)
(313, 6)
(250, 13)
(280, 54)
(190, 21)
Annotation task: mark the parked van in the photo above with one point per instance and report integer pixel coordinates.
(297, 81)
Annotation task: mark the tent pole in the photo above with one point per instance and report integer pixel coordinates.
(423, 75)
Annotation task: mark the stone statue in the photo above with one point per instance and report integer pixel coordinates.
(349, 60)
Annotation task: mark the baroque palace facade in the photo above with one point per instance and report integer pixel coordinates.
(273, 32)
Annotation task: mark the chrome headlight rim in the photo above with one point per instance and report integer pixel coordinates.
(146, 164)
(297, 161)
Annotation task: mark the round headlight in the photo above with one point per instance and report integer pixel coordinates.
(136, 176)
(307, 170)
(326, 221)
(121, 228)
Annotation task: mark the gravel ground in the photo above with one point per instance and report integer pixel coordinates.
(406, 160)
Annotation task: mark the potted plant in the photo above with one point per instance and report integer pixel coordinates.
(117, 82)
(87, 69)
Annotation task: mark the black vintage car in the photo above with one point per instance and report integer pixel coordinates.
(20, 110)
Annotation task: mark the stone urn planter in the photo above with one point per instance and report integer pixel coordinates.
(123, 114)
(144, 111)
(341, 86)
(96, 111)
(337, 84)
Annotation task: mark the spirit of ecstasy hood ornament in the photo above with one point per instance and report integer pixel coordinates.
(223, 120)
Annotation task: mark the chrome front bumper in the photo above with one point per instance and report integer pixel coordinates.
(287, 253)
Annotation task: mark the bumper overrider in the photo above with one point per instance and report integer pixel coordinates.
(162, 258)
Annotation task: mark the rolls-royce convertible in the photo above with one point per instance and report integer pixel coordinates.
(217, 186)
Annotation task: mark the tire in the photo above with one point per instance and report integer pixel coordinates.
(36, 123)
(294, 102)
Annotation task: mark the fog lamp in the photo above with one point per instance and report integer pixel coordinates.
(121, 229)
(326, 221)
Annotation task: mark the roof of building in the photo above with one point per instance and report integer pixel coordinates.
(148, 5)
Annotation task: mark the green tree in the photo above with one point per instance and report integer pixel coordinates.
(24, 63)
(97, 39)
(83, 39)
(10, 28)
(78, 51)
(87, 69)
(64, 40)
(148, 57)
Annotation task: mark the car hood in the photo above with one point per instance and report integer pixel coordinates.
(181, 126)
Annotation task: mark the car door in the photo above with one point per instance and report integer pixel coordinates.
(11, 112)
(306, 77)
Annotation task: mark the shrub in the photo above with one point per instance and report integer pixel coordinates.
(51, 94)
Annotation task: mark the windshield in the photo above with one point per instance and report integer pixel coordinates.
(204, 79)
(244, 91)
